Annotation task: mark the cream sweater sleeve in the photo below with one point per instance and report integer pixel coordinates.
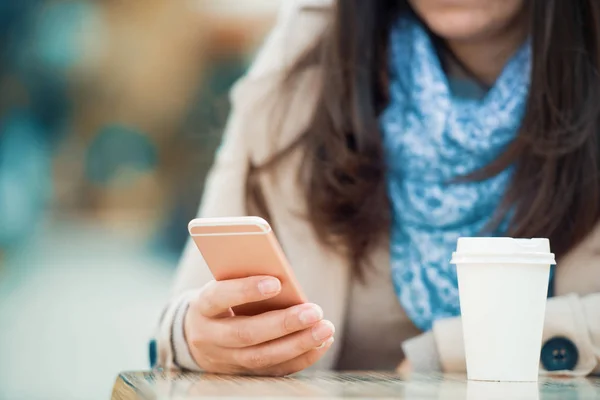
(224, 193)
(224, 196)
(570, 318)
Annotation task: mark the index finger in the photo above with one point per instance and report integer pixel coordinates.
(218, 297)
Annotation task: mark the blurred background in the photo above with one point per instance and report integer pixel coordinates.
(110, 112)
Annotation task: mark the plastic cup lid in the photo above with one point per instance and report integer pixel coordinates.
(503, 250)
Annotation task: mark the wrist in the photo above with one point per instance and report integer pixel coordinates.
(182, 355)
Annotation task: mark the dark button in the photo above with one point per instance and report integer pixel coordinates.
(152, 352)
(559, 354)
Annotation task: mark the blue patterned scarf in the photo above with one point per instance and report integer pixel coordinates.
(430, 138)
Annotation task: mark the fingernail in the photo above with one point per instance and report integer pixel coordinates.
(326, 343)
(269, 286)
(311, 315)
(322, 331)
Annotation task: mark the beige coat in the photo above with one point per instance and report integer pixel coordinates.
(324, 275)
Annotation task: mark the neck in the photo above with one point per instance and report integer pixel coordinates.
(485, 58)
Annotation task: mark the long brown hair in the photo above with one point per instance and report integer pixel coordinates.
(555, 191)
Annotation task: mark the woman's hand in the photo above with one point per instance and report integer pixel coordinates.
(404, 367)
(275, 343)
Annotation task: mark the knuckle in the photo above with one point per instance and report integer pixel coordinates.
(288, 322)
(207, 298)
(302, 346)
(255, 360)
(249, 290)
(208, 304)
(244, 336)
(208, 290)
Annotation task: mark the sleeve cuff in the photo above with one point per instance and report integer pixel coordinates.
(165, 345)
(448, 335)
(565, 318)
(182, 357)
(591, 308)
(422, 353)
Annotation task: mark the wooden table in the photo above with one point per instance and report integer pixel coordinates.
(327, 385)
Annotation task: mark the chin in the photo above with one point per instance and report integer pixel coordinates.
(459, 26)
(469, 20)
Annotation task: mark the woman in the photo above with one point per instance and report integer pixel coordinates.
(372, 134)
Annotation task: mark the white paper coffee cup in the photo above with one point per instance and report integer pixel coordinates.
(503, 288)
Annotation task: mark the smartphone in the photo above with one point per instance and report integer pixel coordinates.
(240, 247)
